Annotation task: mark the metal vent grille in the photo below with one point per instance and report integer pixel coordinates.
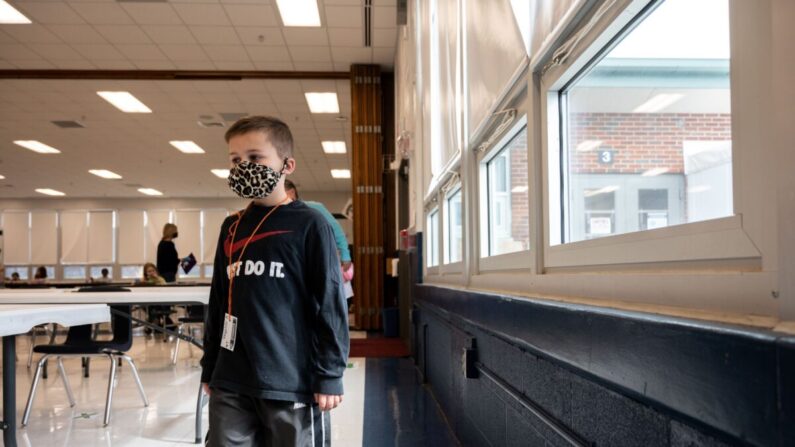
(68, 124)
(368, 23)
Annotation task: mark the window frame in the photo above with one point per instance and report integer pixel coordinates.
(455, 187)
(711, 240)
(430, 233)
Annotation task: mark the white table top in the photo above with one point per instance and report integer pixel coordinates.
(136, 295)
(18, 319)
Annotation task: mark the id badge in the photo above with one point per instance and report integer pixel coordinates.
(229, 333)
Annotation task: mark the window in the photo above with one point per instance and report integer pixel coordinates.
(132, 271)
(96, 271)
(432, 243)
(508, 210)
(195, 272)
(646, 127)
(74, 272)
(454, 241)
(208, 271)
(22, 271)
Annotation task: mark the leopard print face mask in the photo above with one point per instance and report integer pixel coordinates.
(253, 181)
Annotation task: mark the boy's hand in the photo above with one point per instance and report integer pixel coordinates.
(327, 402)
(206, 388)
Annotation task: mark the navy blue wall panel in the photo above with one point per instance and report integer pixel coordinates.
(607, 377)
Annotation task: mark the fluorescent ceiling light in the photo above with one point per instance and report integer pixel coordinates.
(150, 192)
(37, 146)
(49, 192)
(334, 147)
(222, 173)
(518, 189)
(588, 145)
(605, 190)
(341, 173)
(658, 102)
(2, 177)
(9, 15)
(299, 12)
(104, 173)
(125, 102)
(655, 171)
(188, 147)
(320, 102)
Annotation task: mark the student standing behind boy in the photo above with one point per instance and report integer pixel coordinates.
(276, 339)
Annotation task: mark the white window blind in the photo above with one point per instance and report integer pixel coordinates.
(16, 237)
(43, 237)
(189, 240)
(100, 236)
(74, 237)
(131, 237)
(210, 233)
(155, 219)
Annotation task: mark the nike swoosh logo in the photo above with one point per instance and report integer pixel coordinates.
(229, 249)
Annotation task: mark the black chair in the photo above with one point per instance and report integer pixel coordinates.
(79, 343)
(160, 315)
(195, 315)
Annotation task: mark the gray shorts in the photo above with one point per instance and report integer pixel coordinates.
(239, 420)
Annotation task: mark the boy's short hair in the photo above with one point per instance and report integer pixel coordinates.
(275, 129)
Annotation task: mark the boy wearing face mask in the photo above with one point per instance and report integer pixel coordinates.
(276, 337)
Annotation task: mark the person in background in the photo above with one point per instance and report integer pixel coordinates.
(15, 278)
(41, 275)
(105, 278)
(339, 238)
(167, 259)
(152, 277)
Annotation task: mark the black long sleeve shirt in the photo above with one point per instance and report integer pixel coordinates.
(292, 328)
(167, 260)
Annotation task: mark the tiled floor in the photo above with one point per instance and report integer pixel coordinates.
(394, 402)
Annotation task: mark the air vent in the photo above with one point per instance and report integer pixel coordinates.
(68, 124)
(368, 23)
(402, 12)
(208, 124)
(232, 116)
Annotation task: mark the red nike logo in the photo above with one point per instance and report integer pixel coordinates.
(229, 248)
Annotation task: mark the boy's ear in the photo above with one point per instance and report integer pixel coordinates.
(289, 167)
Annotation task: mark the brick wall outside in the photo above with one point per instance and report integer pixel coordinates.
(640, 141)
(520, 209)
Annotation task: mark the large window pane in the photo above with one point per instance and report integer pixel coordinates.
(508, 208)
(647, 128)
(454, 228)
(74, 272)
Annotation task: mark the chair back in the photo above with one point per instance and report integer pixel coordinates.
(122, 328)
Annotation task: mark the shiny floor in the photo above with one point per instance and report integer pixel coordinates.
(378, 419)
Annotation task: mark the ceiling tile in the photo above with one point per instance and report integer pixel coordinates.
(31, 64)
(154, 64)
(98, 51)
(152, 13)
(234, 53)
(302, 36)
(215, 35)
(384, 16)
(16, 51)
(344, 16)
(202, 14)
(346, 37)
(102, 13)
(384, 56)
(114, 64)
(7, 38)
(77, 64)
(283, 86)
(351, 55)
(234, 65)
(252, 15)
(193, 65)
(55, 51)
(123, 34)
(33, 33)
(77, 34)
(268, 54)
(260, 36)
(310, 54)
(385, 37)
(50, 13)
(169, 34)
(343, 2)
(142, 52)
(184, 53)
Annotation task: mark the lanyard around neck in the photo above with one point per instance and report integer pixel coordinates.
(243, 249)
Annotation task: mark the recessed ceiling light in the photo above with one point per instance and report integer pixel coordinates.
(104, 173)
(37, 146)
(322, 102)
(9, 15)
(222, 173)
(299, 12)
(125, 102)
(334, 147)
(150, 192)
(2, 177)
(658, 102)
(188, 147)
(49, 192)
(341, 173)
